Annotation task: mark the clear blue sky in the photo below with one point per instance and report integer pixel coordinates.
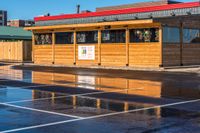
(27, 9)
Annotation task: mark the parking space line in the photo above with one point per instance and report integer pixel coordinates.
(38, 110)
(84, 94)
(99, 116)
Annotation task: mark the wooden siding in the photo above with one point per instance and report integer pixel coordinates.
(144, 55)
(113, 54)
(15, 51)
(43, 54)
(191, 54)
(64, 54)
(171, 54)
(140, 55)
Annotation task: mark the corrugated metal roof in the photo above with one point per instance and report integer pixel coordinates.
(119, 12)
(176, 13)
(14, 33)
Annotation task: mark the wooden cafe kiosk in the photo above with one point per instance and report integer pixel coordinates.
(154, 36)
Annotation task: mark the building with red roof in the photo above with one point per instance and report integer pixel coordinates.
(152, 34)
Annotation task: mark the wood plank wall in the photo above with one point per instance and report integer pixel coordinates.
(15, 51)
(116, 54)
(43, 54)
(191, 54)
(64, 54)
(180, 53)
(171, 55)
(113, 54)
(144, 55)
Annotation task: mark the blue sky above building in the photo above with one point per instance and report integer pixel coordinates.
(27, 9)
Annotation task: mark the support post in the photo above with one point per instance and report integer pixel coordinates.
(99, 47)
(75, 41)
(127, 46)
(161, 45)
(53, 47)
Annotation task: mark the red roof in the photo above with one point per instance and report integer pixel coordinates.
(121, 11)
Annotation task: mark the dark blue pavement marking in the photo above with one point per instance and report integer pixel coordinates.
(11, 118)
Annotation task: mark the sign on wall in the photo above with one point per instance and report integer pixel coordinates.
(86, 52)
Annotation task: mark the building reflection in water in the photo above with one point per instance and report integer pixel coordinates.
(148, 88)
(144, 88)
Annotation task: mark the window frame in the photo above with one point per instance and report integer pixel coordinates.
(118, 29)
(64, 43)
(186, 43)
(82, 43)
(170, 43)
(140, 28)
(45, 44)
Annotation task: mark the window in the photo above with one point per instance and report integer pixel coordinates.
(64, 38)
(43, 39)
(171, 35)
(113, 36)
(191, 35)
(144, 35)
(84, 37)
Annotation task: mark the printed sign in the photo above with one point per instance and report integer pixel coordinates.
(86, 52)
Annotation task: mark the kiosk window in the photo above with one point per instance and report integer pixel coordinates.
(144, 35)
(43, 39)
(85, 37)
(191, 35)
(113, 36)
(171, 35)
(64, 38)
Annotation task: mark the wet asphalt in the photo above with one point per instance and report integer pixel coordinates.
(77, 100)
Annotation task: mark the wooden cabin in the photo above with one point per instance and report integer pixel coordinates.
(157, 36)
(15, 44)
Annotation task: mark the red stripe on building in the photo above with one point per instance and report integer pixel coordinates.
(118, 12)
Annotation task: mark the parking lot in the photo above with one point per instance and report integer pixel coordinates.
(71, 100)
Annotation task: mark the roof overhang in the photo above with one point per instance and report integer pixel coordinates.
(100, 24)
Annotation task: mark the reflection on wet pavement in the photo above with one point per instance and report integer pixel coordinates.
(83, 95)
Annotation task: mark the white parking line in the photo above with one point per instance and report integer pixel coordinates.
(38, 110)
(98, 116)
(84, 94)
